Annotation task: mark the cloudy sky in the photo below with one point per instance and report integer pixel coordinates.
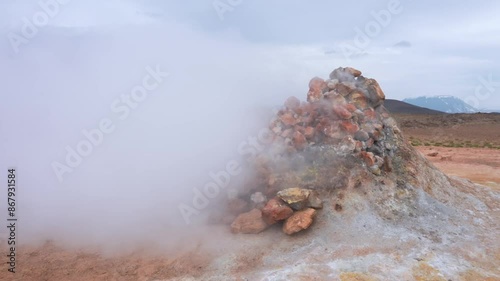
(229, 62)
(423, 48)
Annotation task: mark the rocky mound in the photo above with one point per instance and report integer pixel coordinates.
(361, 203)
(343, 125)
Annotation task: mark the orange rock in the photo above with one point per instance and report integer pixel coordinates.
(354, 72)
(368, 157)
(309, 132)
(342, 89)
(288, 119)
(276, 210)
(370, 114)
(342, 112)
(351, 107)
(299, 221)
(249, 223)
(299, 140)
(349, 127)
(317, 84)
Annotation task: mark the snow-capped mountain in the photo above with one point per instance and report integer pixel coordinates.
(448, 104)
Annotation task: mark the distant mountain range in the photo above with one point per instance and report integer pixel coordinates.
(396, 106)
(448, 104)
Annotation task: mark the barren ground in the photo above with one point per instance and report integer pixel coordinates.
(467, 146)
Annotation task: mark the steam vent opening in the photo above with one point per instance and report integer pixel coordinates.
(339, 191)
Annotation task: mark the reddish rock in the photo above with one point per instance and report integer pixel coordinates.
(433, 154)
(292, 103)
(299, 110)
(370, 114)
(354, 72)
(368, 157)
(237, 206)
(276, 210)
(342, 112)
(342, 89)
(309, 132)
(299, 221)
(349, 127)
(316, 86)
(288, 119)
(299, 141)
(249, 223)
(351, 107)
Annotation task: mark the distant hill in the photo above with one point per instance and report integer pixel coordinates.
(395, 106)
(448, 104)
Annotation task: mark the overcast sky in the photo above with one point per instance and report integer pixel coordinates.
(426, 48)
(228, 60)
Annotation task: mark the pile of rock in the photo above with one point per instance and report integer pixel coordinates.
(318, 145)
(344, 110)
(295, 207)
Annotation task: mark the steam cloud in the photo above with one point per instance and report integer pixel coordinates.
(127, 190)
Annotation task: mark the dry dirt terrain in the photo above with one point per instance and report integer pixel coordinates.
(463, 145)
(453, 130)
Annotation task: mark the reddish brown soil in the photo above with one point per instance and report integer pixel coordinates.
(480, 165)
(52, 263)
